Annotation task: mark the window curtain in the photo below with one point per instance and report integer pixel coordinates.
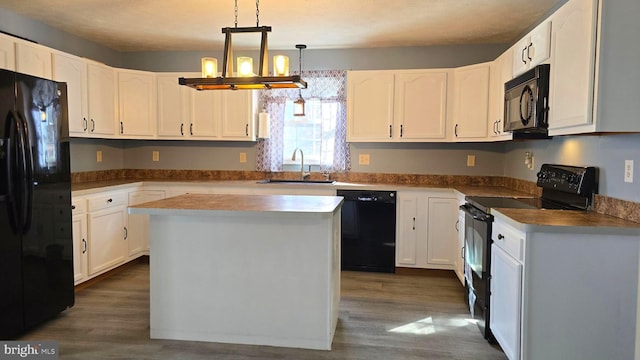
(324, 85)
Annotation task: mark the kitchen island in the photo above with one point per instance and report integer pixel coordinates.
(246, 269)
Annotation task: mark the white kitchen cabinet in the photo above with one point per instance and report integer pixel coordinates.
(101, 99)
(471, 88)
(138, 225)
(572, 73)
(73, 70)
(79, 230)
(459, 254)
(33, 59)
(500, 73)
(174, 106)
(532, 49)
(107, 230)
(370, 105)
(7, 53)
(441, 231)
(206, 115)
(411, 228)
(137, 103)
(420, 104)
(506, 288)
(426, 234)
(399, 105)
(238, 115)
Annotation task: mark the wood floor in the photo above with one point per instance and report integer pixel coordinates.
(382, 316)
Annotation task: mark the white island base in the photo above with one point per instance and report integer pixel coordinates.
(247, 277)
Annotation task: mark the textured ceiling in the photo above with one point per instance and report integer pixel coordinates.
(174, 25)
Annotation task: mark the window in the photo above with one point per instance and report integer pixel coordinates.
(320, 134)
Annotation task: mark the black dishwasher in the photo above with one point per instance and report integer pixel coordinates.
(368, 230)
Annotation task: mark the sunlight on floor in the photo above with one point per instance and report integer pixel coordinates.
(425, 326)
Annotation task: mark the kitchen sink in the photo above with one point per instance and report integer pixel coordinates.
(294, 181)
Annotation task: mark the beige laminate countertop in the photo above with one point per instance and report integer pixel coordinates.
(537, 220)
(199, 203)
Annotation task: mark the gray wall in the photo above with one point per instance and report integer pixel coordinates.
(607, 152)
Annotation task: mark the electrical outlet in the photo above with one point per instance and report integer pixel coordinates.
(243, 157)
(471, 160)
(363, 159)
(155, 155)
(628, 171)
(99, 156)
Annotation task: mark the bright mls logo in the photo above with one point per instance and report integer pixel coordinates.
(29, 350)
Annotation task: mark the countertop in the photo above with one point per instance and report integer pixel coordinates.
(219, 203)
(544, 220)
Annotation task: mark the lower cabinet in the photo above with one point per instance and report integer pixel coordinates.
(107, 232)
(138, 229)
(79, 230)
(426, 235)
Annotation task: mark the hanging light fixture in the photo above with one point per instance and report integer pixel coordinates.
(298, 105)
(245, 78)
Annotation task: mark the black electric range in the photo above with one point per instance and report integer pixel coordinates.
(563, 187)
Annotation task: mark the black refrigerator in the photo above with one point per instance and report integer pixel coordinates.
(36, 244)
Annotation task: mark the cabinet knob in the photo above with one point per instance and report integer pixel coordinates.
(110, 200)
(500, 237)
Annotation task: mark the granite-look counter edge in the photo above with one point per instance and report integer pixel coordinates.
(565, 221)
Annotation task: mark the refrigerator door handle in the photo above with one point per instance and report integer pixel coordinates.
(27, 178)
(11, 132)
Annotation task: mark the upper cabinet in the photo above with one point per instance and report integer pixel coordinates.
(7, 53)
(572, 72)
(402, 105)
(101, 96)
(33, 59)
(238, 115)
(137, 103)
(73, 71)
(500, 73)
(471, 102)
(184, 113)
(533, 49)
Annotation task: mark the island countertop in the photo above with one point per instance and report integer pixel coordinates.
(199, 203)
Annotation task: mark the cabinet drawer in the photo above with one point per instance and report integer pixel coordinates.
(508, 239)
(107, 201)
(78, 206)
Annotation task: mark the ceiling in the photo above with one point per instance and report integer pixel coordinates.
(195, 25)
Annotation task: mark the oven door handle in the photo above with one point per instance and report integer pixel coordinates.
(475, 213)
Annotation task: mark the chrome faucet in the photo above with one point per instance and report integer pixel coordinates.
(303, 175)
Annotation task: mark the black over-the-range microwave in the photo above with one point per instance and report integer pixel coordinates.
(526, 102)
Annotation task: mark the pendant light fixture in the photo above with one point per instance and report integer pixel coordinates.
(245, 78)
(298, 105)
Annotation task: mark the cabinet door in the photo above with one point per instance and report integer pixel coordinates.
(79, 230)
(441, 231)
(407, 230)
(101, 99)
(73, 71)
(138, 224)
(506, 301)
(7, 54)
(370, 106)
(472, 101)
(107, 238)
(571, 82)
(238, 114)
(421, 104)
(174, 105)
(533, 49)
(33, 60)
(137, 103)
(500, 73)
(459, 250)
(520, 60)
(206, 114)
